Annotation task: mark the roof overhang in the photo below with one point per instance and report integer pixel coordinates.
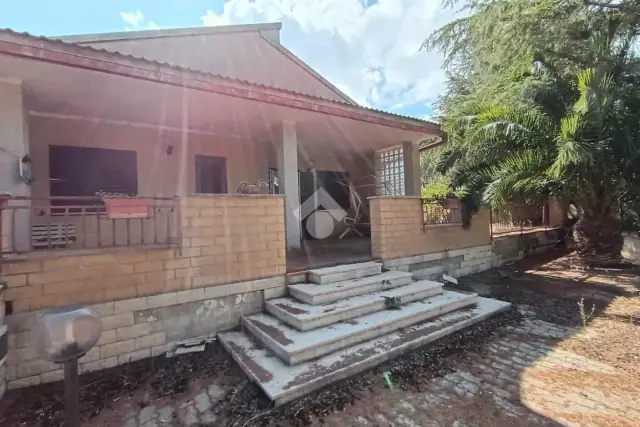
(62, 78)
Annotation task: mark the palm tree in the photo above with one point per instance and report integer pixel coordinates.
(585, 155)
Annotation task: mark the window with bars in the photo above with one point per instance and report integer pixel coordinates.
(273, 181)
(390, 172)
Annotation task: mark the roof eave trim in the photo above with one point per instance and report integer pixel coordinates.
(208, 83)
(172, 32)
(286, 52)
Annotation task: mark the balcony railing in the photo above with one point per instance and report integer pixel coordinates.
(63, 223)
(518, 218)
(434, 213)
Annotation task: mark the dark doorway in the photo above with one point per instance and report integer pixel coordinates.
(211, 175)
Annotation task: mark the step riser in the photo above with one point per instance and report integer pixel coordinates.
(284, 383)
(341, 316)
(379, 359)
(346, 341)
(344, 275)
(348, 292)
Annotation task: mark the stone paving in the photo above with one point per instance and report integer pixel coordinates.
(193, 412)
(509, 374)
(506, 374)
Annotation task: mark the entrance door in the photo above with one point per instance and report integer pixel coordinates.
(211, 175)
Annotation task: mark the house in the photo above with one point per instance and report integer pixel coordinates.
(177, 120)
(187, 111)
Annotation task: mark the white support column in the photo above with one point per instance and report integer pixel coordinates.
(14, 143)
(287, 158)
(412, 178)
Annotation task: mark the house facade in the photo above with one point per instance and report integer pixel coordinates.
(176, 123)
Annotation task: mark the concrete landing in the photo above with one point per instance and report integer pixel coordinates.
(313, 293)
(344, 272)
(295, 346)
(305, 317)
(283, 383)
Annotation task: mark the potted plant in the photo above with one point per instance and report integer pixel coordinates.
(260, 187)
(451, 203)
(122, 205)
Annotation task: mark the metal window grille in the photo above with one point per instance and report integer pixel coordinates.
(273, 181)
(390, 172)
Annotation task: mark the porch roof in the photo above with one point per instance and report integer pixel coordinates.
(42, 49)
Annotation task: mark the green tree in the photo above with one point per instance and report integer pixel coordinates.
(542, 102)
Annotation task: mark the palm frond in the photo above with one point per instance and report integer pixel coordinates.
(519, 175)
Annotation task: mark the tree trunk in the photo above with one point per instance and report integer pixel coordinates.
(598, 238)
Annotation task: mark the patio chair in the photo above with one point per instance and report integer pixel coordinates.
(352, 222)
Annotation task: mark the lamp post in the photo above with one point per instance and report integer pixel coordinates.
(63, 335)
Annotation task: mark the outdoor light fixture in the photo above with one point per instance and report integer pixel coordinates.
(63, 335)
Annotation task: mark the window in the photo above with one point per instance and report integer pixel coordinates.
(82, 171)
(390, 172)
(273, 181)
(211, 175)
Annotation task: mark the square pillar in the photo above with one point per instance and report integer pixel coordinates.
(287, 159)
(412, 174)
(14, 143)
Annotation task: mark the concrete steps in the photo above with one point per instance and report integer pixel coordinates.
(341, 323)
(314, 293)
(295, 346)
(284, 383)
(340, 273)
(304, 317)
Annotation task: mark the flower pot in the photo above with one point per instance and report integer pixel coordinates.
(118, 208)
(451, 203)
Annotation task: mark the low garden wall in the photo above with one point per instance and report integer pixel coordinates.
(397, 229)
(230, 256)
(514, 247)
(401, 240)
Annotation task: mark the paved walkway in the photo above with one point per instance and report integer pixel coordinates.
(193, 412)
(510, 382)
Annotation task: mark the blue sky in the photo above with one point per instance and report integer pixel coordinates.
(369, 48)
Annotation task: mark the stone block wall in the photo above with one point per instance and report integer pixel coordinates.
(231, 256)
(397, 229)
(399, 238)
(456, 263)
(514, 247)
(224, 239)
(139, 328)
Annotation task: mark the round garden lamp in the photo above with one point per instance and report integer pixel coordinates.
(63, 335)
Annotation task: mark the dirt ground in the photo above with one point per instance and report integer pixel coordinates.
(542, 363)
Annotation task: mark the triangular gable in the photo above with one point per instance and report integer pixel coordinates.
(245, 52)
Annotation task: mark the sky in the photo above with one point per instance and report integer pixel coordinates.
(370, 49)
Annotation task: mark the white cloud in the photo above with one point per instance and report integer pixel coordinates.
(135, 21)
(371, 53)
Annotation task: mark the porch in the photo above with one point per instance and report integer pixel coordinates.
(329, 252)
(76, 132)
